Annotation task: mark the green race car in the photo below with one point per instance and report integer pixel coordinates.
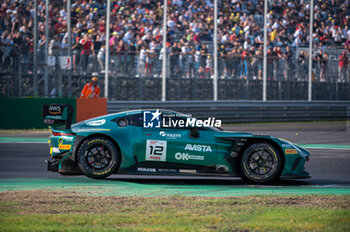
(164, 142)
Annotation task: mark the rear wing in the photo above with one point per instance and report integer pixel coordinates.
(58, 114)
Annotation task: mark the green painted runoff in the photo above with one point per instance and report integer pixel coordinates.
(130, 188)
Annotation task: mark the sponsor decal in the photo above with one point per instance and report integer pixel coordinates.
(141, 169)
(291, 151)
(186, 156)
(166, 170)
(157, 119)
(55, 150)
(151, 119)
(190, 122)
(68, 138)
(55, 110)
(57, 117)
(65, 138)
(197, 147)
(169, 135)
(174, 114)
(104, 172)
(92, 129)
(156, 150)
(49, 121)
(96, 122)
(64, 146)
(188, 171)
(55, 114)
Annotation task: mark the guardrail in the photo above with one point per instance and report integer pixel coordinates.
(247, 111)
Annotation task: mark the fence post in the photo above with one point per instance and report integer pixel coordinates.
(108, 17)
(247, 88)
(46, 81)
(140, 87)
(164, 68)
(279, 90)
(178, 87)
(20, 75)
(265, 51)
(59, 81)
(310, 49)
(69, 47)
(215, 79)
(35, 58)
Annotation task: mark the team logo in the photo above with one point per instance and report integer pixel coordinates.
(197, 147)
(64, 146)
(169, 135)
(156, 119)
(162, 133)
(49, 121)
(151, 119)
(96, 122)
(55, 109)
(186, 156)
(291, 151)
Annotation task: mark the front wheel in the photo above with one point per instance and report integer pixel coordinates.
(98, 157)
(261, 163)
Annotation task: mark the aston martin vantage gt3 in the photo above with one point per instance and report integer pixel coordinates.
(165, 142)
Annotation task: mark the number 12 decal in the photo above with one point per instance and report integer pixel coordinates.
(156, 150)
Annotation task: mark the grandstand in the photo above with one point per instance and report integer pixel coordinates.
(136, 42)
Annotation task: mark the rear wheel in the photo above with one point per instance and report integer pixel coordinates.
(261, 163)
(98, 157)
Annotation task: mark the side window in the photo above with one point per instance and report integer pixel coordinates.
(137, 120)
(133, 120)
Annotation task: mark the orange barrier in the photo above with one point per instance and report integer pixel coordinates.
(90, 107)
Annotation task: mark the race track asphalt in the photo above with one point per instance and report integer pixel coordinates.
(328, 165)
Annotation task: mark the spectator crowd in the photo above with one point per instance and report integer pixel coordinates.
(136, 37)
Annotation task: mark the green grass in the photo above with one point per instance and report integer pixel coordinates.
(39, 210)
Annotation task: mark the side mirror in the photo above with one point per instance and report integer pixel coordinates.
(194, 132)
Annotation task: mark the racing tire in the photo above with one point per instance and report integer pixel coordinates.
(98, 157)
(261, 163)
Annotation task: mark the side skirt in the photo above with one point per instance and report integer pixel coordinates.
(156, 168)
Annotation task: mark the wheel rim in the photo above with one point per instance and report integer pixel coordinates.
(98, 156)
(262, 162)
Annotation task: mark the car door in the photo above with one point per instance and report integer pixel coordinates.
(175, 145)
(191, 150)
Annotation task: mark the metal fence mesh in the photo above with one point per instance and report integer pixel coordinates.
(135, 64)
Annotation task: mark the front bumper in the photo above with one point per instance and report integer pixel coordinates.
(294, 167)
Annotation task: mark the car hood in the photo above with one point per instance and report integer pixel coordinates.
(226, 134)
(284, 144)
